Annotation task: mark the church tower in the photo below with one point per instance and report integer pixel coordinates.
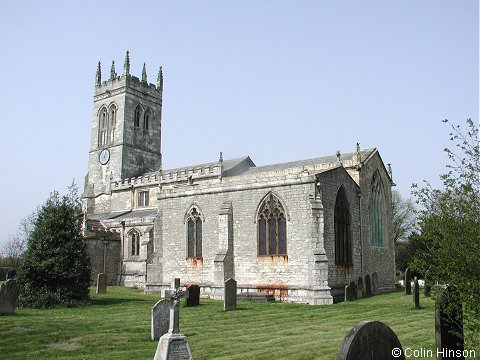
(126, 129)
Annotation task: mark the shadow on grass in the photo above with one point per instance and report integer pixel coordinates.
(113, 301)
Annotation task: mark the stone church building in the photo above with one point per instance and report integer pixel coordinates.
(300, 230)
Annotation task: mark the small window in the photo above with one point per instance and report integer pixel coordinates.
(272, 227)
(194, 234)
(146, 120)
(113, 123)
(137, 115)
(143, 198)
(135, 242)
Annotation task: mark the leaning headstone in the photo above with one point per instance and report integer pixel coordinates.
(371, 340)
(449, 324)
(101, 284)
(230, 295)
(416, 293)
(9, 291)
(160, 321)
(173, 345)
(193, 295)
(408, 282)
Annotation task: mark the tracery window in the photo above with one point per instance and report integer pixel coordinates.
(136, 116)
(103, 127)
(377, 211)
(272, 227)
(343, 233)
(146, 120)
(135, 243)
(194, 234)
(113, 122)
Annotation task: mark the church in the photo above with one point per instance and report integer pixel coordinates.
(300, 231)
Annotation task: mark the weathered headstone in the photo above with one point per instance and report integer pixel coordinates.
(160, 321)
(449, 324)
(427, 286)
(408, 282)
(360, 290)
(193, 296)
(173, 345)
(371, 340)
(416, 293)
(353, 290)
(347, 293)
(230, 295)
(9, 291)
(101, 284)
(368, 286)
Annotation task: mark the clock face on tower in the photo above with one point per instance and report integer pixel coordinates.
(104, 156)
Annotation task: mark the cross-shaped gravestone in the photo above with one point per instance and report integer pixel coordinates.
(175, 312)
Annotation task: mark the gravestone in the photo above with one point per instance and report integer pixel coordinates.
(427, 286)
(101, 284)
(353, 290)
(416, 293)
(448, 324)
(371, 340)
(193, 295)
(160, 321)
(368, 286)
(347, 293)
(230, 295)
(9, 291)
(360, 290)
(408, 282)
(173, 345)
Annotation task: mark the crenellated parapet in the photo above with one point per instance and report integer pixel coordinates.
(191, 173)
(144, 180)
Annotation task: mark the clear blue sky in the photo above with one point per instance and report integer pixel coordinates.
(276, 80)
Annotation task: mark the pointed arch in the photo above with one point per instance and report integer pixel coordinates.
(271, 219)
(342, 229)
(377, 211)
(147, 118)
(137, 115)
(112, 116)
(103, 126)
(134, 242)
(194, 228)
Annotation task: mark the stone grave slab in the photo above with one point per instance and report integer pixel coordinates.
(193, 297)
(101, 284)
(160, 320)
(371, 340)
(230, 295)
(9, 291)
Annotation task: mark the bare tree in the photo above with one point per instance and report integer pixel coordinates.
(404, 216)
(16, 244)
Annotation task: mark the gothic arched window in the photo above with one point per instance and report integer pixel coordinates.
(194, 234)
(343, 233)
(377, 211)
(103, 127)
(272, 227)
(113, 122)
(146, 120)
(135, 243)
(136, 116)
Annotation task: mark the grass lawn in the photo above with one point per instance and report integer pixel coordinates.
(117, 326)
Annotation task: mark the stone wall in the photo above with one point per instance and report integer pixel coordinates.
(104, 246)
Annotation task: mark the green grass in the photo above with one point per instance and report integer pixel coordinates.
(117, 326)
